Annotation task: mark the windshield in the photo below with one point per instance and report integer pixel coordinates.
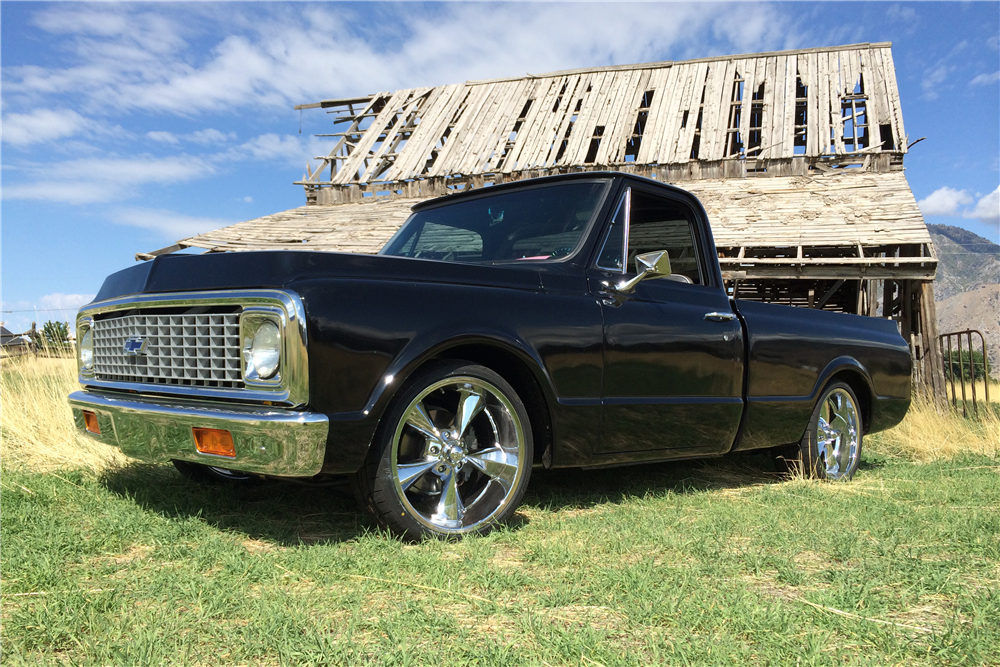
(543, 223)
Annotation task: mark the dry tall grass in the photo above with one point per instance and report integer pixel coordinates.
(37, 430)
(36, 424)
(926, 435)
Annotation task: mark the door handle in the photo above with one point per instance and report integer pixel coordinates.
(719, 317)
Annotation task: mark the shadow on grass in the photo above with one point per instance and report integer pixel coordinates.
(291, 514)
(578, 488)
(281, 512)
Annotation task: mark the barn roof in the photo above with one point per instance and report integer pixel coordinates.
(757, 112)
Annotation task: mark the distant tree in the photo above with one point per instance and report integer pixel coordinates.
(959, 366)
(56, 334)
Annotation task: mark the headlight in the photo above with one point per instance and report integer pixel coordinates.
(265, 350)
(87, 350)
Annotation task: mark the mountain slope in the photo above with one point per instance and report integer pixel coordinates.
(966, 261)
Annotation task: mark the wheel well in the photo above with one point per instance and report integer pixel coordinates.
(859, 385)
(520, 377)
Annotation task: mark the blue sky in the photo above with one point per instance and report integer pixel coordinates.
(129, 126)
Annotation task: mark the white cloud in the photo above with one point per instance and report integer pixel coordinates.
(163, 137)
(40, 125)
(93, 180)
(932, 81)
(60, 300)
(170, 224)
(985, 79)
(276, 55)
(210, 136)
(987, 209)
(944, 201)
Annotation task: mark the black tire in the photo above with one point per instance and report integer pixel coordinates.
(204, 474)
(831, 445)
(456, 479)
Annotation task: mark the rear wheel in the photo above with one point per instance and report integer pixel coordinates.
(831, 447)
(452, 456)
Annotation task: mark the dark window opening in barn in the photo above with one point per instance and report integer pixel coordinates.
(696, 144)
(734, 143)
(888, 143)
(512, 137)
(595, 143)
(684, 120)
(579, 105)
(562, 92)
(801, 117)
(756, 121)
(633, 143)
(569, 131)
(854, 111)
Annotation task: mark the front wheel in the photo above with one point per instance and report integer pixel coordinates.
(206, 474)
(452, 456)
(831, 446)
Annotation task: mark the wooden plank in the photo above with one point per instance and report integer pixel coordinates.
(836, 115)
(774, 92)
(453, 148)
(609, 97)
(663, 136)
(440, 110)
(553, 126)
(676, 147)
(897, 111)
(505, 122)
(716, 107)
(622, 112)
(583, 129)
(626, 117)
(395, 134)
(354, 165)
(540, 139)
(482, 132)
(605, 99)
(464, 155)
(566, 123)
(526, 137)
(749, 87)
(658, 122)
(871, 92)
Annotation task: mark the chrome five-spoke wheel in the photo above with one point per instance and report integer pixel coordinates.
(455, 456)
(832, 447)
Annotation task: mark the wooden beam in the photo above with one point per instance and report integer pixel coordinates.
(342, 102)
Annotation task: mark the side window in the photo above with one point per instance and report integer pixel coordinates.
(657, 223)
(448, 243)
(611, 253)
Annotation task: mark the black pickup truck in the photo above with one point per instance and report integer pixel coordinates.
(569, 321)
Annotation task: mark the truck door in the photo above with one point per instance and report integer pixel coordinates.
(673, 350)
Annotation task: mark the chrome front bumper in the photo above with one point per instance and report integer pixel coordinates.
(270, 441)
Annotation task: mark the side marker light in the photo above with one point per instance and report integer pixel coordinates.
(214, 441)
(90, 419)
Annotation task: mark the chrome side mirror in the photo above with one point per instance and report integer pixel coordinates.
(650, 265)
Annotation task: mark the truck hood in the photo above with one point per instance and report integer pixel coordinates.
(278, 269)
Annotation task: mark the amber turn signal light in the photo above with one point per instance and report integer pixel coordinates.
(90, 419)
(214, 441)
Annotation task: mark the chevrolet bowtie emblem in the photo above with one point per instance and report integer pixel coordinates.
(135, 346)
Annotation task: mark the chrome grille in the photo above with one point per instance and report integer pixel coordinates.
(200, 350)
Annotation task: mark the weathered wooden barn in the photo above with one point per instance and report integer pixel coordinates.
(798, 157)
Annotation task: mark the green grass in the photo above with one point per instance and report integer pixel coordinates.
(698, 563)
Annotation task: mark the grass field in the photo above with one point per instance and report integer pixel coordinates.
(112, 562)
